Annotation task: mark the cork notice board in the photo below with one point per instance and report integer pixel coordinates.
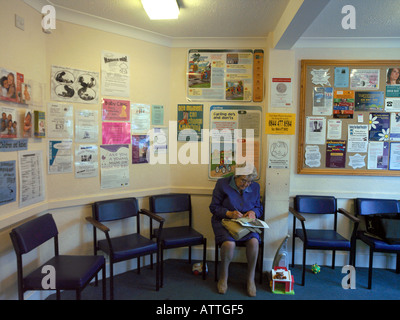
(349, 120)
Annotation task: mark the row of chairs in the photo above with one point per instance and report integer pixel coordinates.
(330, 239)
(75, 272)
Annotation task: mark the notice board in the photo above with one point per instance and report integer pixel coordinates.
(349, 121)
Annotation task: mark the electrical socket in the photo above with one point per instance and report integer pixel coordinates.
(19, 22)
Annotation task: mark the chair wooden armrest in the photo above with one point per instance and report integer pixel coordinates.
(348, 215)
(297, 214)
(97, 224)
(152, 215)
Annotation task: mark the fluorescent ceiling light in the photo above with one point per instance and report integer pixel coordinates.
(161, 9)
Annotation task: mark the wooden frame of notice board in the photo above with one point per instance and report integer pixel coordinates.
(349, 121)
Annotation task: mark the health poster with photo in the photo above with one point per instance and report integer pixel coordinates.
(74, 86)
(235, 138)
(114, 165)
(220, 75)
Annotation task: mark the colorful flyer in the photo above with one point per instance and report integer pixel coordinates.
(190, 122)
(40, 124)
(335, 154)
(140, 148)
(116, 132)
(322, 101)
(341, 77)
(8, 85)
(280, 123)
(116, 110)
(369, 101)
(378, 155)
(8, 123)
(343, 104)
(379, 126)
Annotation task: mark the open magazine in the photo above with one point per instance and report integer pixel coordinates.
(253, 223)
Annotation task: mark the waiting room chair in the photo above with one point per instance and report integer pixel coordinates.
(71, 272)
(364, 207)
(180, 236)
(317, 238)
(260, 256)
(123, 247)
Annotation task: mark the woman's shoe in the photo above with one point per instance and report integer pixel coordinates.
(222, 286)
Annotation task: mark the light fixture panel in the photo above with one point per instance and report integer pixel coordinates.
(161, 9)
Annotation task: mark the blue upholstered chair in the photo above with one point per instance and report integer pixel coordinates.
(123, 247)
(71, 272)
(180, 236)
(364, 207)
(317, 238)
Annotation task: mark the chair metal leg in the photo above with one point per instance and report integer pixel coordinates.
(162, 268)
(304, 266)
(216, 263)
(371, 260)
(111, 281)
(204, 258)
(333, 258)
(190, 254)
(138, 265)
(293, 249)
(397, 263)
(157, 271)
(104, 283)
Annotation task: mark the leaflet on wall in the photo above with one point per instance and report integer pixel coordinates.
(140, 118)
(116, 132)
(379, 126)
(278, 156)
(357, 138)
(392, 104)
(39, 124)
(343, 104)
(357, 161)
(115, 74)
(114, 164)
(31, 177)
(60, 156)
(220, 75)
(190, 122)
(140, 148)
(334, 129)
(157, 115)
(312, 157)
(378, 155)
(116, 110)
(74, 86)
(315, 130)
(8, 85)
(60, 123)
(281, 92)
(28, 125)
(395, 126)
(394, 162)
(320, 77)
(322, 101)
(8, 123)
(341, 77)
(8, 185)
(364, 79)
(369, 101)
(86, 127)
(86, 161)
(335, 154)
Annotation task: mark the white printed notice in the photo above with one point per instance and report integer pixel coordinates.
(357, 138)
(114, 166)
(60, 123)
(313, 156)
(60, 156)
(86, 161)
(31, 177)
(115, 74)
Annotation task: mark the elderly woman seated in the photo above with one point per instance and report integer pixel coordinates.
(235, 197)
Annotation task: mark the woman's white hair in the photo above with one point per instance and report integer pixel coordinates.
(248, 170)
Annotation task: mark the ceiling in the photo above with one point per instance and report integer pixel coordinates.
(290, 21)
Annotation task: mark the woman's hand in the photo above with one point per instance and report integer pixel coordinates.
(250, 214)
(234, 214)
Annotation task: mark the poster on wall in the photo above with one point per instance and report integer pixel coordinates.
(8, 186)
(86, 127)
(235, 139)
(31, 177)
(60, 156)
(86, 161)
(115, 74)
(114, 165)
(190, 122)
(281, 92)
(140, 148)
(60, 123)
(116, 110)
(220, 75)
(74, 86)
(116, 132)
(140, 118)
(8, 122)
(364, 79)
(278, 153)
